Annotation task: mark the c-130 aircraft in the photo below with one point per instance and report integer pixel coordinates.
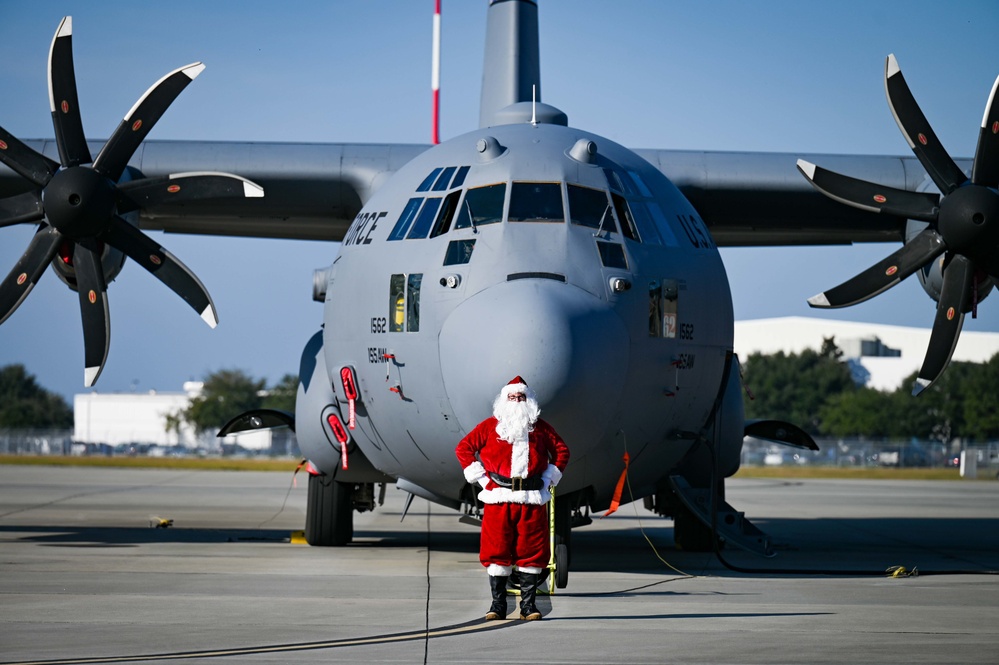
(524, 247)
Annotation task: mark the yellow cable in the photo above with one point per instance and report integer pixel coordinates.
(641, 527)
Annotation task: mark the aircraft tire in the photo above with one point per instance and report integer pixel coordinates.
(561, 566)
(329, 513)
(563, 530)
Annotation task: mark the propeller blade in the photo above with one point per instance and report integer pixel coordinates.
(985, 169)
(63, 102)
(163, 265)
(182, 187)
(141, 118)
(92, 290)
(22, 208)
(24, 161)
(870, 196)
(884, 274)
(917, 131)
(28, 269)
(957, 277)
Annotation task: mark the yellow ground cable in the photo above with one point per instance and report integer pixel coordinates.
(641, 527)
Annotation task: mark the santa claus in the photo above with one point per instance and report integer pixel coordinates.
(517, 458)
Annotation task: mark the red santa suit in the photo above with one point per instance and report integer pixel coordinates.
(514, 524)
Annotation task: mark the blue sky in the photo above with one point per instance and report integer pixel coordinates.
(775, 76)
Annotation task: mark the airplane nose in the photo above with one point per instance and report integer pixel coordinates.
(569, 346)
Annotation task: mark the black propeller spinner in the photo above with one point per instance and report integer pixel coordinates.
(963, 222)
(78, 204)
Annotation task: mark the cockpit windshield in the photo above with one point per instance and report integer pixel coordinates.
(590, 207)
(536, 202)
(481, 205)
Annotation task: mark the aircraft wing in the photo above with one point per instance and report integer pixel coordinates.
(313, 191)
(760, 199)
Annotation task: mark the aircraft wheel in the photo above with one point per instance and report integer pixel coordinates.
(561, 566)
(329, 513)
(563, 529)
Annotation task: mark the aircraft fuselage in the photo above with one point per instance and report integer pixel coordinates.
(537, 250)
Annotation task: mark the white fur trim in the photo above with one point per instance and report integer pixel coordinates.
(519, 459)
(513, 388)
(530, 570)
(496, 570)
(474, 471)
(552, 475)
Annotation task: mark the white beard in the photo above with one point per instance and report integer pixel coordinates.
(516, 419)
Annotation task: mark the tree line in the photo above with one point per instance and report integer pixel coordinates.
(816, 391)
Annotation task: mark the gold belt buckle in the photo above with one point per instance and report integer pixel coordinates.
(516, 484)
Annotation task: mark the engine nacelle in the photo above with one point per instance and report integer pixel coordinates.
(321, 425)
(931, 276)
(112, 261)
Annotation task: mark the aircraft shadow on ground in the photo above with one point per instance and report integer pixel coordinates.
(864, 545)
(843, 544)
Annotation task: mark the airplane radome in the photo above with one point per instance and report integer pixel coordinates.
(525, 247)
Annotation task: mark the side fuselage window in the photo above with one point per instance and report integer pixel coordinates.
(404, 302)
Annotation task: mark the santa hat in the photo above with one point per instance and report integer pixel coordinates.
(517, 385)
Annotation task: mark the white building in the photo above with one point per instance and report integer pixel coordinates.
(888, 353)
(141, 418)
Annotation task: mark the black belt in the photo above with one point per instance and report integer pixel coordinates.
(518, 484)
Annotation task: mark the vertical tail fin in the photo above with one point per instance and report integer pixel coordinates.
(512, 66)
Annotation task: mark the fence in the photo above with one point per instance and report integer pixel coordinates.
(860, 453)
(60, 442)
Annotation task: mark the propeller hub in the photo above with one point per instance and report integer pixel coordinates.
(79, 202)
(969, 220)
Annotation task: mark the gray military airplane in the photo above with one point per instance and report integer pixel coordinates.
(523, 247)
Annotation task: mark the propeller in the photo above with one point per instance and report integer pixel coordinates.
(962, 222)
(79, 201)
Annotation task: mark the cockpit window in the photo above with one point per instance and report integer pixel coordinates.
(459, 252)
(628, 227)
(590, 207)
(612, 255)
(642, 188)
(620, 182)
(646, 226)
(446, 214)
(481, 205)
(444, 180)
(405, 219)
(459, 177)
(429, 180)
(426, 217)
(638, 208)
(536, 202)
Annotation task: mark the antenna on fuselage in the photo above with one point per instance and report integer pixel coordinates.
(534, 105)
(435, 76)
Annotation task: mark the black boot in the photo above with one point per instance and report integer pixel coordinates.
(497, 610)
(528, 588)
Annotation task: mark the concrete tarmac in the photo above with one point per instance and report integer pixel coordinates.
(85, 579)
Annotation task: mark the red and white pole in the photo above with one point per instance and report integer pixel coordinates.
(435, 76)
